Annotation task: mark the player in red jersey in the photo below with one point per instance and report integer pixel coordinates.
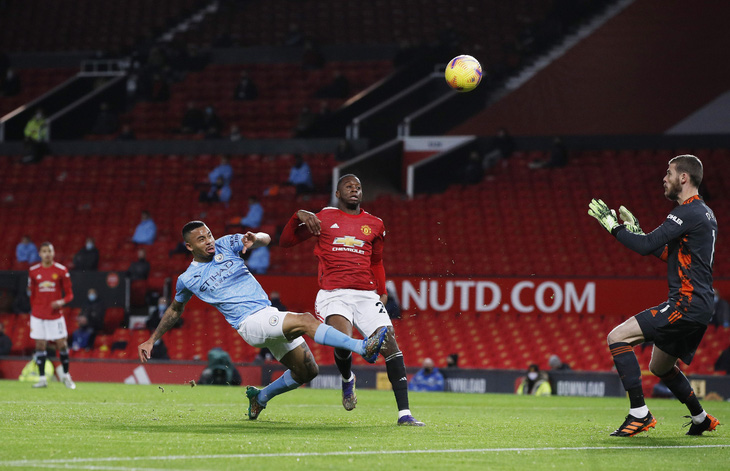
(49, 284)
(352, 283)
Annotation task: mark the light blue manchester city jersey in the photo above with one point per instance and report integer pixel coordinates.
(224, 283)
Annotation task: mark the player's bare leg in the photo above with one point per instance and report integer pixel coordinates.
(302, 368)
(296, 325)
(665, 367)
(343, 360)
(621, 341)
(40, 361)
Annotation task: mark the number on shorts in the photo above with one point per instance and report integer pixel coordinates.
(381, 307)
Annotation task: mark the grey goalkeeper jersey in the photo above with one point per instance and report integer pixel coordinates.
(686, 241)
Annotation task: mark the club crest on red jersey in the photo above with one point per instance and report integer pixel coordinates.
(366, 230)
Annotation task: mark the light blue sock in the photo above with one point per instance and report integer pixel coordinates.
(280, 386)
(328, 335)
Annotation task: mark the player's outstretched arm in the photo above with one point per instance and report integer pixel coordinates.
(297, 229)
(252, 240)
(172, 315)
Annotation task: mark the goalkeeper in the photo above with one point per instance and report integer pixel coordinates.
(686, 241)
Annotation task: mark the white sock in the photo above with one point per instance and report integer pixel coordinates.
(352, 376)
(403, 412)
(639, 412)
(699, 418)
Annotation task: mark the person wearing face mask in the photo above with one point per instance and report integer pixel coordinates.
(428, 378)
(87, 259)
(154, 319)
(535, 383)
(94, 310)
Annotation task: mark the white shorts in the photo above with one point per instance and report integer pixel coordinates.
(48, 329)
(264, 329)
(362, 308)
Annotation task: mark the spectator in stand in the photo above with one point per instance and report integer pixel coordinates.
(223, 169)
(235, 134)
(295, 37)
(300, 176)
(254, 216)
(503, 143)
(94, 310)
(145, 231)
(219, 192)
(193, 121)
(721, 314)
(473, 171)
(26, 251)
(723, 361)
(535, 383)
(220, 180)
(212, 124)
(83, 337)
(452, 361)
(245, 89)
(140, 268)
(258, 260)
(87, 259)
(36, 137)
(307, 118)
(393, 303)
(5, 343)
(154, 319)
(428, 378)
(220, 369)
(339, 87)
(127, 133)
(558, 156)
(106, 122)
(10, 86)
(556, 364)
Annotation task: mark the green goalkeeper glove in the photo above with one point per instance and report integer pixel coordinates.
(607, 217)
(629, 220)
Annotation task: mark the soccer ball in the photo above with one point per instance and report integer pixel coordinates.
(463, 73)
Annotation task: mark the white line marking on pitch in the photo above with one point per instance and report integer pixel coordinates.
(74, 461)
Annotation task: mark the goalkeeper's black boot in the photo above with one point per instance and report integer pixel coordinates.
(707, 425)
(633, 425)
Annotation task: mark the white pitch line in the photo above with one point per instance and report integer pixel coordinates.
(72, 461)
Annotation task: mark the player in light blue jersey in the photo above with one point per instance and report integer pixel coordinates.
(218, 276)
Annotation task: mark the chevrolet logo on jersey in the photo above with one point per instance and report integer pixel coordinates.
(348, 241)
(46, 286)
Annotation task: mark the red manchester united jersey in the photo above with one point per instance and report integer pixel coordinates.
(349, 249)
(48, 284)
(347, 246)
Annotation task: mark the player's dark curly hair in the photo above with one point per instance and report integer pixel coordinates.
(190, 227)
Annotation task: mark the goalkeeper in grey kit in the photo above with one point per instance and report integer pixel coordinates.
(686, 241)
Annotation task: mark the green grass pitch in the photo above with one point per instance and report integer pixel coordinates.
(104, 426)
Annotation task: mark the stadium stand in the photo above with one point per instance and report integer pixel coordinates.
(492, 233)
(502, 207)
(283, 90)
